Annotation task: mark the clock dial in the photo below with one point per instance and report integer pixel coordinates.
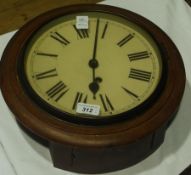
(114, 64)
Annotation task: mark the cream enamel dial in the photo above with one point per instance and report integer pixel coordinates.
(113, 64)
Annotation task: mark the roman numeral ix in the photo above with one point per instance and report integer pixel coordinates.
(46, 74)
(57, 91)
(140, 75)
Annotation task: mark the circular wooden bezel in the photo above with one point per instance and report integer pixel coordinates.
(45, 125)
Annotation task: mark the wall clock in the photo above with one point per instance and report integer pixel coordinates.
(101, 84)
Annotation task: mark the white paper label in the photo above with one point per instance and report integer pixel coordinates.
(90, 109)
(82, 22)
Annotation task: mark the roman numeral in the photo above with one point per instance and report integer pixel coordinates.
(57, 91)
(46, 54)
(125, 40)
(107, 105)
(58, 37)
(80, 97)
(140, 75)
(130, 93)
(138, 56)
(46, 74)
(104, 31)
(82, 33)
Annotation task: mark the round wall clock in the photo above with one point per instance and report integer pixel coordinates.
(101, 84)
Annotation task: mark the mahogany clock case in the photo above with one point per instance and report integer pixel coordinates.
(115, 145)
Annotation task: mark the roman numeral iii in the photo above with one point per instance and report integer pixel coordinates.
(138, 56)
(140, 75)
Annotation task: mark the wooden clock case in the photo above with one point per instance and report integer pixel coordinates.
(95, 148)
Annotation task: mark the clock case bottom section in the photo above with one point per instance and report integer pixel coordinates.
(105, 159)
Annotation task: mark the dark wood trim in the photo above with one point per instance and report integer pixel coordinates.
(187, 171)
(189, 2)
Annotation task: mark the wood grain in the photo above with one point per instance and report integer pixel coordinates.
(14, 13)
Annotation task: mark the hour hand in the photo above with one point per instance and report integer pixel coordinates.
(94, 86)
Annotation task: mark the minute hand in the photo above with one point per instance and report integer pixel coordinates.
(96, 39)
(93, 63)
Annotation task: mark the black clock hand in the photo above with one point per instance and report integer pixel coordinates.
(93, 63)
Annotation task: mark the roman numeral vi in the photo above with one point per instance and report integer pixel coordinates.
(80, 97)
